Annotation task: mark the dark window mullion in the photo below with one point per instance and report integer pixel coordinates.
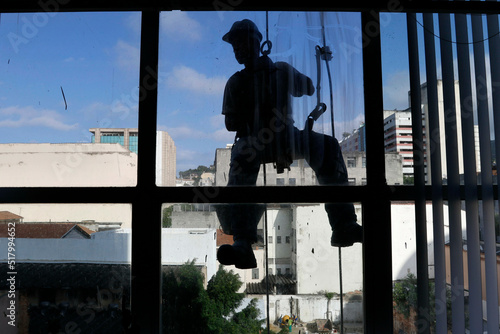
(377, 273)
(146, 209)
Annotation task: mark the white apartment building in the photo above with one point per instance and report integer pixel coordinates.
(398, 134)
(398, 137)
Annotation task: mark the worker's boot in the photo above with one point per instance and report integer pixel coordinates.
(345, 230)
(239, 254)
(241, 221)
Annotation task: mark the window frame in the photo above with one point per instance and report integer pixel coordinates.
(146, 210)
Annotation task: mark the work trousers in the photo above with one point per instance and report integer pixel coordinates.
(322, 153)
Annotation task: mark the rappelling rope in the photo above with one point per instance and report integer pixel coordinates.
(325, 54)
(266, 52)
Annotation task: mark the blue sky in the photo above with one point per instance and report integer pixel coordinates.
(94, 57)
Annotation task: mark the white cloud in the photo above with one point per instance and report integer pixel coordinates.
(184, 132)
(127, 55)
(16, 116)
(73, 59)
(134, 22)
(178, 25)
(188, 133)
(184, 77)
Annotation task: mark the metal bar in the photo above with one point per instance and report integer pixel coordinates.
(453, 180)
(434, 146)
(341, 293)
(494, 53)
(266, 236)
(423, 310)
(486, 176)
(377, 294)
(259, 5)
(470, 175)
(146, 210)
(240, 194)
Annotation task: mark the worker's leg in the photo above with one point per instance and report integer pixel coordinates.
(324, 155)
(241, 220)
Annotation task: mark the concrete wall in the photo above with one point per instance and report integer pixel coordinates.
(190, 219)
(309, 307)
(68, 165)
(404, 238)
(317, 261)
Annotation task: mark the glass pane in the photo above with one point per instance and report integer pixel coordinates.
(65, 268)
(206, 99)
(68, 107)
(303, 268)
(397, 112)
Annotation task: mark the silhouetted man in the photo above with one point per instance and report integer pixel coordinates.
(257, 106)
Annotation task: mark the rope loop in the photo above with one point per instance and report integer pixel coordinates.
(269, 45)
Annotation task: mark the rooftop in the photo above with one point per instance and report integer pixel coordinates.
(7, 215)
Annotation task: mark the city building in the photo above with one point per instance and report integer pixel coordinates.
(128, 138)
(398, 135)
(355, 141)
(67, 165)
(301, 174)
(83, 284)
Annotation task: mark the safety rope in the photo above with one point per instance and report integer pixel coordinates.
(266, 52)
(325, 54)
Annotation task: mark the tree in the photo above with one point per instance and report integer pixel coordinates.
(188, 307)
(167, 216)
(404, 295)
(328, 296)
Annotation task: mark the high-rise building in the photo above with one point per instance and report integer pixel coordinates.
(398, 137)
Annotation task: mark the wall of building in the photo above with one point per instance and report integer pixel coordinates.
(316, 261)
(68, 165)
(166, 159)
(310, 307)
(190, 219)
(404, 238)
(299, 174)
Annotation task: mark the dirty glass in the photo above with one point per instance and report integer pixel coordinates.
(65, 268)
(319, 60)
(69, 99)
(300, 270)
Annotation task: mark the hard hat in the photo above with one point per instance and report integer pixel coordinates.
(243, 28)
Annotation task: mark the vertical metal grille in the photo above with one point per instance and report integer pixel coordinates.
(456, 59)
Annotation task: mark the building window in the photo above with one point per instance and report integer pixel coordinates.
(351, 162)
(255, 273)
(287, 239)
(278, 239)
